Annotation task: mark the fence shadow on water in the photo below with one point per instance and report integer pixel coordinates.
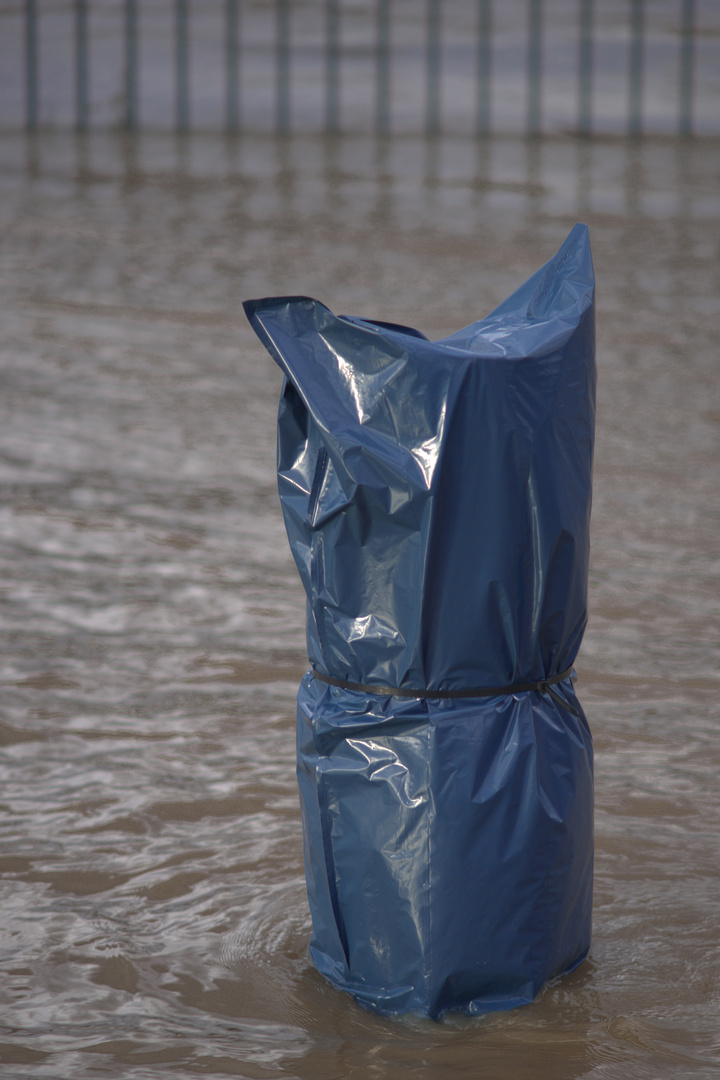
(365, 176)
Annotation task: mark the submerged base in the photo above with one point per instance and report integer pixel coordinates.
(448, 845)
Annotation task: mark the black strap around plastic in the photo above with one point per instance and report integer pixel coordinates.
(543, 686)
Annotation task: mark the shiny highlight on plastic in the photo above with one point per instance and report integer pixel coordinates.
(437, 497)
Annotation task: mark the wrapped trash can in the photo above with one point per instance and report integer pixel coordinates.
(436, 496)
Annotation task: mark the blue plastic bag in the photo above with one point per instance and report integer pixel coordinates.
(436, 497)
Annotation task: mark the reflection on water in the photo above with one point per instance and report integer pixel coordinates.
(153, 899)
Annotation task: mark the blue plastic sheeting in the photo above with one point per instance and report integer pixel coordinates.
(437, 501)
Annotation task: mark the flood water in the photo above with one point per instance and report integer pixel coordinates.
(153, 901)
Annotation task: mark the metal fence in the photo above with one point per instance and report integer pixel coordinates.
(586, 66)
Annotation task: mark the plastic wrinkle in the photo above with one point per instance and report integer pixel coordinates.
(436, 497)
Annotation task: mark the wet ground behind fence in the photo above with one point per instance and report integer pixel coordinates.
(154, 910)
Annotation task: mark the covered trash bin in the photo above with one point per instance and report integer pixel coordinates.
(436, 496)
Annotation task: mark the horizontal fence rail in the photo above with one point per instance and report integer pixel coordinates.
(475, 66)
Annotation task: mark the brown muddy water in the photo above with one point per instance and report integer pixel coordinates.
(154, 919)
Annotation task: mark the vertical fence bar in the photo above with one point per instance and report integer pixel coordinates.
(332, 65)
(181, 66)
(131, 65)
(432, 104)
(382, 68)
(232, 63)
(484, 68)
(534, 63)
(637, 27)
(282, 118)
(688, 16)
(585, 68)
(81, 66)
(31, 66)
(687, 51)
